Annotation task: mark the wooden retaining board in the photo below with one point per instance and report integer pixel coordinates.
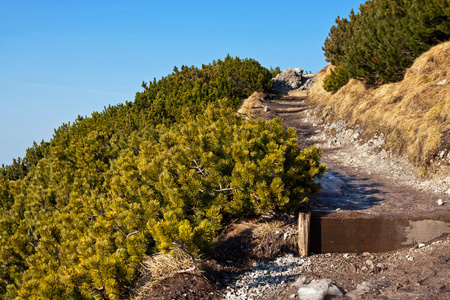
(357, 232)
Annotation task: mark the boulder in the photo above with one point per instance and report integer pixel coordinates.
(293, 79)
(308, 81)
(289, 79)
(316, 289)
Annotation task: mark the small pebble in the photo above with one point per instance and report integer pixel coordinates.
(366, 254)
(409, 258)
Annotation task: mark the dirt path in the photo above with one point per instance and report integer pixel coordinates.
(360, 177)
(414, 273)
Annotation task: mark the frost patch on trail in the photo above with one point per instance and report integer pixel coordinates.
(330, 184)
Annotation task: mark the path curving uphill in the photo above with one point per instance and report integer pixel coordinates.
(362, 177)
(373, 191)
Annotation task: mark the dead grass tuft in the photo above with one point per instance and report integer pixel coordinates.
(412, 114)
(251, 103)
(267, 228)
(162, 266)
(272, 239)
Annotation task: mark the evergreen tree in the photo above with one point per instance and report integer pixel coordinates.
(381, 42)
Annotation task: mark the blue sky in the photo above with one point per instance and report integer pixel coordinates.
(61, 59)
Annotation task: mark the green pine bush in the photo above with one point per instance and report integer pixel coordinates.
(338, 77)
(275, 71)
(144, 176)
(379, 43)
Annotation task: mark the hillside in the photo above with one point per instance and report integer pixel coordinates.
(167, 171)
(253, 258)
(412, 115)
(111, 190)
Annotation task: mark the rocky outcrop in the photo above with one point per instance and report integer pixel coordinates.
(308, 81)
(293, 80)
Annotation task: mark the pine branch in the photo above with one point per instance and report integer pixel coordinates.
(221, 189)
(388, 43)
(199, 169)
(124, 234)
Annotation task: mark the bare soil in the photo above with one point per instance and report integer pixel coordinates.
(410, 273)
(366, 180)
(374, 181)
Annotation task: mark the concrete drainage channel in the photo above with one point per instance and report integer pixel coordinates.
(358, 232)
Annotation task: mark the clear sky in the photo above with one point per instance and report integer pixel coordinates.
(61, 59)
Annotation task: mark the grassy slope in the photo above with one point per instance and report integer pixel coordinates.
(413, 115)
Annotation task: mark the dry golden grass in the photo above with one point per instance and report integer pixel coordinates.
(413, 114)
(162, 266)
(298, 93)
(272, 239)
(252, 102)
(265, 229)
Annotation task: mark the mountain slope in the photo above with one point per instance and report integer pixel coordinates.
(413, 114)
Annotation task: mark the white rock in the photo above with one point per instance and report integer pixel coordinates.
(316, 289)
(361, 289)
(440, 202)
(310, 293)
(448, 192)
(369, 264)
(421, 245)
(333, 291)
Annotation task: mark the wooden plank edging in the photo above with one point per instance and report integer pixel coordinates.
(304, 224)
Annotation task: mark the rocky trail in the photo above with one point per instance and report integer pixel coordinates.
(361, 178)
